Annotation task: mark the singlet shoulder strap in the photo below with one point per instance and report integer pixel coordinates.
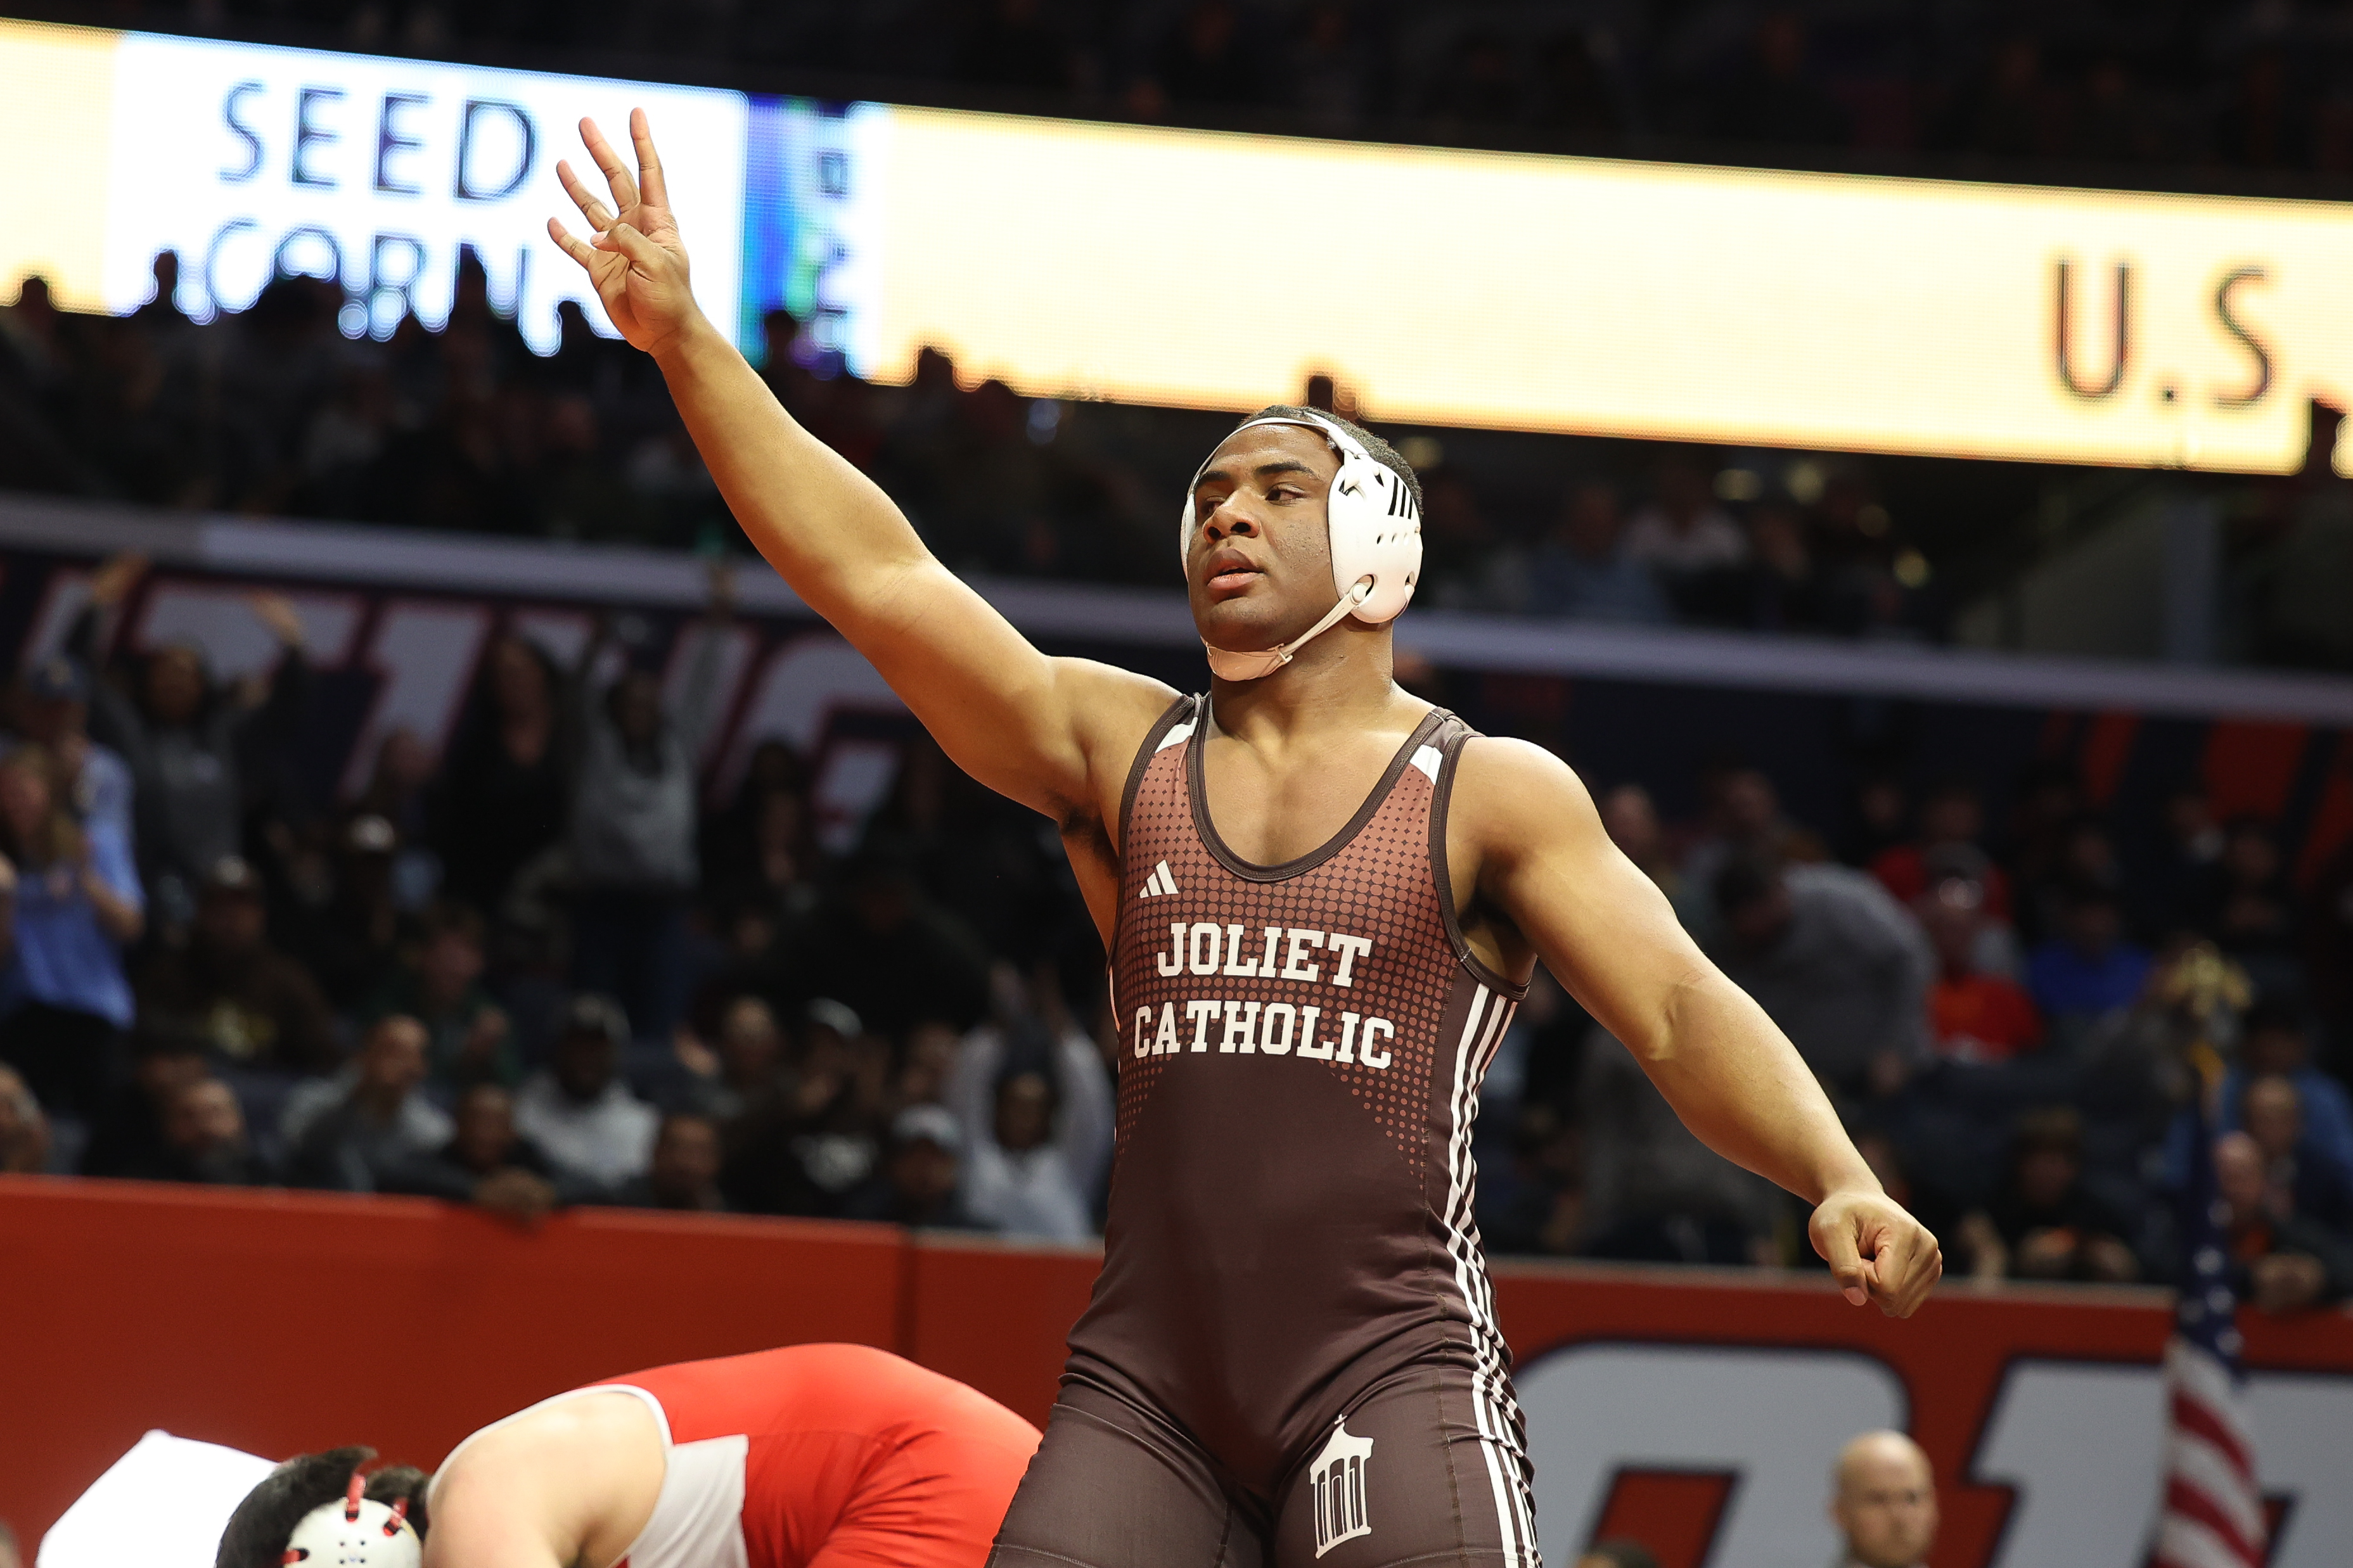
(1176, 724)
(1450, 737)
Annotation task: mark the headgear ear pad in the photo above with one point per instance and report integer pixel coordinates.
(1374, 525)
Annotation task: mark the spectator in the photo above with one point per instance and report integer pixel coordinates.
(252, 1004)
(683, 1172)
(1951, 828)
(2282, 1263)
(1974, 1017)
(888, 950)
(1744, 816)
(2249, 911)
(70, 901)
(369, 1120)
(487, 1162)
(2043, 1219)
(23, 1130)
(397, 793)
(350, 941)
(94, 783)
(744, 1071)
(2088, 970)
(919, 1179)
(2273, 1042)
(184, 740)
(2295, 1182)
(578, 1110)
(503, 794)
(1036, 1106)
(1884, 1499)
(128, 1133)
(1835, 963)
(1581, 570)
(1652, 1192)
(633, 822)
(1682, 531)
(440, 985)
(204, 1139)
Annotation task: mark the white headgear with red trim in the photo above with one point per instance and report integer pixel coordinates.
(1375, 527)
(357, 1533)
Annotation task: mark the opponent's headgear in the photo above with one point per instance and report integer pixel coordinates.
(1375, 525)
(356, 1532)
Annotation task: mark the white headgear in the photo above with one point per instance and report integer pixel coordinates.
(357, 1533)
(1375, 535)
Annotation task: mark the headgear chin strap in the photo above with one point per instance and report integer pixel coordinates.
(356, 1532)
(1375, 529)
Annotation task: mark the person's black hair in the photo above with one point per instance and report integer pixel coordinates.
(257, 1532)
(1747, 878)
(1381, 451)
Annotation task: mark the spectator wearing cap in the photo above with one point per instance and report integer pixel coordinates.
(252, 1004)
(803, 1148)
(24, 1130)
(182, 737)
(94, 782)
(489, 1162)
(71, 902)
(634, 824)
(1035, 1107)
(440, 983)
(2087, 970)
(204, 1139)
(577, 1109)
(1833, 960)
(1883, 1502)
(350, 941)
(919, 1179)
(371, 1119)
(684, 1173)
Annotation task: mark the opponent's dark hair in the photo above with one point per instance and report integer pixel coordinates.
(1381, 451)
(257, 1532)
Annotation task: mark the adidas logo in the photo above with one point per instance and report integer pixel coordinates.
(1159, 884)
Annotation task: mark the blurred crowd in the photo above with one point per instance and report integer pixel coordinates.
(2018, 1016)
(272, 410)
(2252, 86)
(542, 970)
(551, 967)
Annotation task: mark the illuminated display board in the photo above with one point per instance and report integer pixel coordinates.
(1217, 270)
(249, 160)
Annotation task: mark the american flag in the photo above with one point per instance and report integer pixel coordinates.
(2213, 1512)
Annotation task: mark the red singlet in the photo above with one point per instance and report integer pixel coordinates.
(826, 1457)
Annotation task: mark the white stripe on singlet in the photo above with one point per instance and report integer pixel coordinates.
(1491, 1404)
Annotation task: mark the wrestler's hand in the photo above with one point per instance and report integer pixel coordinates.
(1876, 1251)
(638, 262)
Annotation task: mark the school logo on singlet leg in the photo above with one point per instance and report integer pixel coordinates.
(1337, 1474)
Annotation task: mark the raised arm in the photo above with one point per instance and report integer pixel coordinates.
(1547, 867)
(1053, 734)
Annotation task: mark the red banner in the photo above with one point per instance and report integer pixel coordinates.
(1696, 1411)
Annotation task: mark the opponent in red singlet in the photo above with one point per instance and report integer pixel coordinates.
(815, 1456)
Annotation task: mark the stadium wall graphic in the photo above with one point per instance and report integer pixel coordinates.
(1697, 1410)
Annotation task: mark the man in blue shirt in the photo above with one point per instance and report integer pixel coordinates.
(2088, 969)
